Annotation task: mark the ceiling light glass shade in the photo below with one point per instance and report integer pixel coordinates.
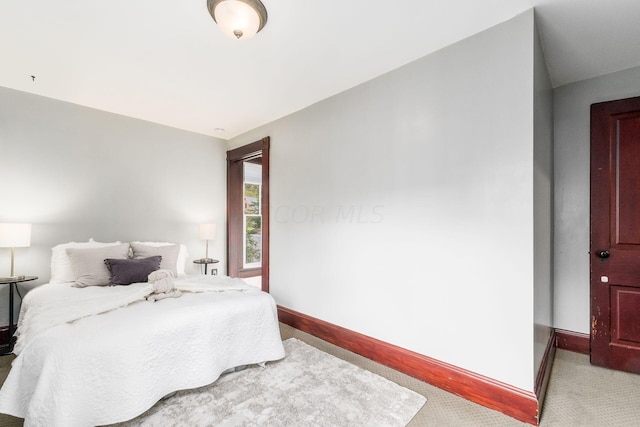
(239, 19)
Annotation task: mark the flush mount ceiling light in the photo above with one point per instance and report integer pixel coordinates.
(240, 19)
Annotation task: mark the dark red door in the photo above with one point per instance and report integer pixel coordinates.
(615, 234)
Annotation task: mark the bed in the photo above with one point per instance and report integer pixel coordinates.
(112, 366)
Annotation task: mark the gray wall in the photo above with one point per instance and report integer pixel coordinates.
(403, 208)
(543, 205)
(78, 173)
(572, 155)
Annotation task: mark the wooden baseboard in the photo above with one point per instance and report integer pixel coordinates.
(573, 341)
(517, 403)
(544, 372)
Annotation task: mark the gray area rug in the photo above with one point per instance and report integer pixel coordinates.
(307, 388)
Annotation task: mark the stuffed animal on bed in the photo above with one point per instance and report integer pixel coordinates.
(163, 285)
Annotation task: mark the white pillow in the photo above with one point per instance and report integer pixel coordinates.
(89, 265)
(182, 254)
(169, 254)
(61, 271)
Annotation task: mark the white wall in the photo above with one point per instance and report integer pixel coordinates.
(78, 173)
(543, 206)
(403, 208)
(572, 105)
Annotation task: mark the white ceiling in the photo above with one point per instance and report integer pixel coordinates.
(166, 61)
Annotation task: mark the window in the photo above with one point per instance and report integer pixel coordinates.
(248, 212)
(252, 220)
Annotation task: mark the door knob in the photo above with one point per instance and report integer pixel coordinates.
(604, 254)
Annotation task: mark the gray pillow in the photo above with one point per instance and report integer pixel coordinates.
(128, 271)
(169, 255)
(88, 264)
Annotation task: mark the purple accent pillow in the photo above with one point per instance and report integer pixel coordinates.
(128, 271)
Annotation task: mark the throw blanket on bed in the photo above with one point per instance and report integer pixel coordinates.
(211, 284)
(163, 285)
(54, 304)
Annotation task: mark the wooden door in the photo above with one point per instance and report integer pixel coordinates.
(615, 234)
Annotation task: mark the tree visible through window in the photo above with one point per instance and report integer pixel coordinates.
(252, 216)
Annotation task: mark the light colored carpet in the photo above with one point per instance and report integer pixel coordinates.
(579, 394)
(307, 388)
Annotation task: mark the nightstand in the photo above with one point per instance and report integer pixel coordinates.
(12, 282)
(206, 262)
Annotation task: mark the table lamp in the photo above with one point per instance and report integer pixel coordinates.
(207, 232)
(14, 235)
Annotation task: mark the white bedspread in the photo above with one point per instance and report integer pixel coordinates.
(113, 366)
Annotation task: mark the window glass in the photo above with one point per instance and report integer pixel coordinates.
(252, 224)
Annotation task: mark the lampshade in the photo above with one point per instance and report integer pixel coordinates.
(240, 19)
(15, 235)
(207, 232)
